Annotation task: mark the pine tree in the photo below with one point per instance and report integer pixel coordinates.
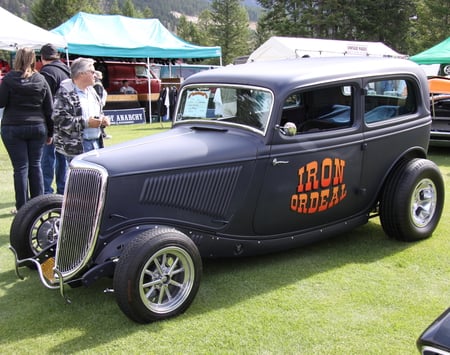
(430, 24)
(229, 28)
(49, 14)
(363, 20)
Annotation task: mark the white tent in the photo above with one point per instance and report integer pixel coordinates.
(20, 33)
(295, 47)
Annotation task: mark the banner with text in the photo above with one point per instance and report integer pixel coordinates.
(128, 116)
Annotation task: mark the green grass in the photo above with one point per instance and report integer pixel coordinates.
(358, 293)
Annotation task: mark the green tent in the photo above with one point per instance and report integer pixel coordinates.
(439, 54)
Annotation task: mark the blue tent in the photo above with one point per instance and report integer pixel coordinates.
(126, 37)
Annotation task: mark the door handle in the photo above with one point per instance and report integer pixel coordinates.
(275, 161)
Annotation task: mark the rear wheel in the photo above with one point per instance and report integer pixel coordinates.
(412, 201)
(36, 225)
(158, 275)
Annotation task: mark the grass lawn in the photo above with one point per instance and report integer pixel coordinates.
(358, 293)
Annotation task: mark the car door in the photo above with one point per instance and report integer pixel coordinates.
(312, 179)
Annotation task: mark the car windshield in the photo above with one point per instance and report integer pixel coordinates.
(240, 105)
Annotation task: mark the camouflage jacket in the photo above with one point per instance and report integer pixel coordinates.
(68, 120)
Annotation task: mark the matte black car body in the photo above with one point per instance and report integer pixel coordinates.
(435, 340)
(261, 157)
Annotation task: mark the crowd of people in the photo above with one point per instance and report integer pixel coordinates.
(49, 117)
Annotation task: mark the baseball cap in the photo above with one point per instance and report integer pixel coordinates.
(49, 51)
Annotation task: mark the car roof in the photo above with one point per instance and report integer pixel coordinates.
(304, 71)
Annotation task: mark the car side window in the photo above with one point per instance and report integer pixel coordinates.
(388, 98)
(320, 109)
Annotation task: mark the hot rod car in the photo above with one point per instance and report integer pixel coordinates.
(261, 157)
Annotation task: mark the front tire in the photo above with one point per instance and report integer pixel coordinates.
(157, 275)
(36, 226)
(412, 201)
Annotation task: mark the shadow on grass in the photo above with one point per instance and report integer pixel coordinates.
(30, 310)
(440, 155)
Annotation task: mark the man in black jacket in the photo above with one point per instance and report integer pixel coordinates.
(53, 163)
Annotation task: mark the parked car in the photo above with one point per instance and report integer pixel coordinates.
(435, 340)
(139, 76)
(136, 73)
(261, 157)
(440, 111)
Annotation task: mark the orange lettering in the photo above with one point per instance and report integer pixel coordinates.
(314, 202)
(311, 179)
(339, 165)
(300, 186)
(324, 196)
(326, 173)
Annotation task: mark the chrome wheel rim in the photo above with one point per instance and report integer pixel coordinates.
(166, 280)
(45, 230)
(423, 203)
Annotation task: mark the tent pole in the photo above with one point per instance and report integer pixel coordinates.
(149, 91)
(67, 56)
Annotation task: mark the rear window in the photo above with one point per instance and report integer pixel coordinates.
(388, 99)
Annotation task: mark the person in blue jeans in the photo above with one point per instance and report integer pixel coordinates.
(26, 125)
(53, 163)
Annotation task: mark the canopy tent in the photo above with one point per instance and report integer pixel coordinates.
(295, 47)
(439, 54)
(126, 37)
(20, 33)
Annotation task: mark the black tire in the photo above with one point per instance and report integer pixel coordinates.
(36, 226)
(157, 275)
(412, 201)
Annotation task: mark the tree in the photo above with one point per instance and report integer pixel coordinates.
(430, 24)
(147, 12)
(189, 31)
(129, 10)
(114, 8)
(229, 28)
(204, 24)
(49, 14)
(364, 20)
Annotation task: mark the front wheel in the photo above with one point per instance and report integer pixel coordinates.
(36, 226)
(157, 275)
(412, 201)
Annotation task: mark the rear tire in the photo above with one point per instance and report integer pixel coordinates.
(157, 275)
(412, 201)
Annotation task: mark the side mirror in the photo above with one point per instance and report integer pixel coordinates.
(289, 129)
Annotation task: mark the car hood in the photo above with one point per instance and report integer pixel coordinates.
(180, 147)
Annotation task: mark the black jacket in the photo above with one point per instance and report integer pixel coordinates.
(54, 73)
(26, 101)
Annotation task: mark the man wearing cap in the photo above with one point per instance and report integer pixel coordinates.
(53, 163)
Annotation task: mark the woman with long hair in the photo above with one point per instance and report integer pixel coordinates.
(26, 124)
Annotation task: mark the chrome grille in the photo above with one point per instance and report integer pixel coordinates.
(82, 206)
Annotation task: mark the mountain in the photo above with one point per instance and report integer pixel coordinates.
(161, 9)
